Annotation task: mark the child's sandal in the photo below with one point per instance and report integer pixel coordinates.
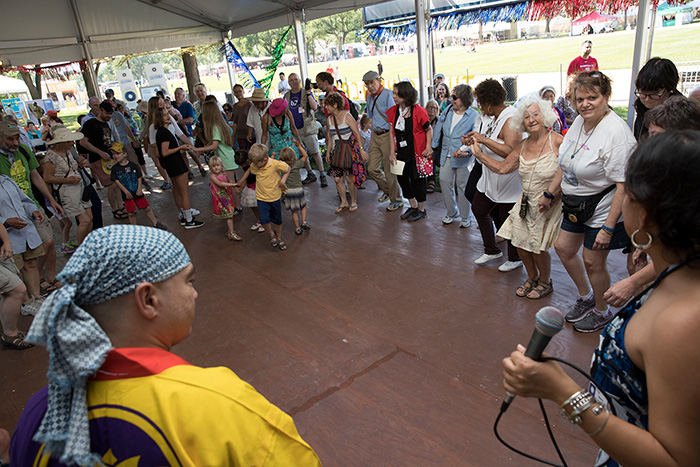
(233, 236)
(274, 241)
(282, 245)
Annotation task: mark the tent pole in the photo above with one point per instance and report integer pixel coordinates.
(301, 45)
(86, 50)
(431, 52)
(650, 38)
(642, 19)
(421, 45)
(229, 67)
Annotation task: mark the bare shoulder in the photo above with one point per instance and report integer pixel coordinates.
(557, 138)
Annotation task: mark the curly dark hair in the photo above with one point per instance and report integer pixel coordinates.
(662, 175)
(675, 113)
(490, 92)
(334, 99)
(407, 92)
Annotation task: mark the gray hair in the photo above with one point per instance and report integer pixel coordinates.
(434, 102)
(549, 115)
(465, 94)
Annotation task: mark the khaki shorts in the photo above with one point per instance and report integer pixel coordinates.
(20, 258)
(44, 229)
(9, 276)
(311, 143)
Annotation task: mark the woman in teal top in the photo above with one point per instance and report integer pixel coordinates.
(278, 124)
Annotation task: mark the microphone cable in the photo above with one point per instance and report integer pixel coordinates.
(546, 420)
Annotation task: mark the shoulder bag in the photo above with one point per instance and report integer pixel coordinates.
(342, 151)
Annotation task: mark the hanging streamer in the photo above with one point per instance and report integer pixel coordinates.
(271, 69)
(449, 21)
(539, 9)
(239, 65)
(61, 71)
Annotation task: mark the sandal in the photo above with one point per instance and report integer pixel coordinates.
(120, 214)
(283, 246)
(46, 287)
(353, 208)
(274, 241)
(17, 341)
(526, 288)
(542, 290)
(298, 231)
(341, 209)
(233, 236)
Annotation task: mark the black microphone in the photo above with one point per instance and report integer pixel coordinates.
(548, 321)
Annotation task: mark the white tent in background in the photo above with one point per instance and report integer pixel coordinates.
(15, 87)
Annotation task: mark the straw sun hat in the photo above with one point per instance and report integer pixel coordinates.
(61, 134)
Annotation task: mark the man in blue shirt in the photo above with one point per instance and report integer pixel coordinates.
(302, 105)
(379, 101)
(187, 112)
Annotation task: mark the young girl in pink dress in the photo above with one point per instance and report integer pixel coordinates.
(223, 206)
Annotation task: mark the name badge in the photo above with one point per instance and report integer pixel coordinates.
(300, 110)
(403, 144)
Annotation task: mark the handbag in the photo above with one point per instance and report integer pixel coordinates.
(578, 209)
(342, 151)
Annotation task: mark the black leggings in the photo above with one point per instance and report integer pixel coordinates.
(413, 188)
(481, 207)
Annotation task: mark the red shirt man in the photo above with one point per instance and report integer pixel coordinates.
(584, 62)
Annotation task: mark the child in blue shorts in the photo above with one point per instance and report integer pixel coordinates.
(268, 191)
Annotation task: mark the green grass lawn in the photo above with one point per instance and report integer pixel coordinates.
(613, 51)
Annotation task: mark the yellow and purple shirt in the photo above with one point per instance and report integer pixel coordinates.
(149, 407)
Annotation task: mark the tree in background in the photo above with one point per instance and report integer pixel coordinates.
(341, 26)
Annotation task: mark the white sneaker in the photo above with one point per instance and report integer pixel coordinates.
(465, 224)
(449, 219)
(31, 307)
(194, 212)
(483, 259)
(255, 226)
(510, 266)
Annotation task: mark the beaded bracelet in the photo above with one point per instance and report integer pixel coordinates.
(549, 195)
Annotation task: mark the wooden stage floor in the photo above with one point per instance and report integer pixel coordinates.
(381, 338)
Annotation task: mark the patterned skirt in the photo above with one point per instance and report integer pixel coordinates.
(294, 199)
(359, 170)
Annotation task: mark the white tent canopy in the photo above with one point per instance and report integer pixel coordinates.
(45, 31)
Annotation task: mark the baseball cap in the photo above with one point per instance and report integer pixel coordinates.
(52, 113)
(8, 129)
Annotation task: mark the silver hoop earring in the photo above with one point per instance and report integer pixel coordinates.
(644, 246)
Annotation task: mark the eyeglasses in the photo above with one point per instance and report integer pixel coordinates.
(655, 96)
(454, 98)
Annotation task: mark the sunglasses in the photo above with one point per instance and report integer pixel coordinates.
(454, 98)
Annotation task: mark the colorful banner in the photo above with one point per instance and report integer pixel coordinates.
(239, 66)
(271, 69)
(127, 85)
(15, 106)
(156, 76)
(37, 108)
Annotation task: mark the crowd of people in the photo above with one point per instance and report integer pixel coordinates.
(541, 173)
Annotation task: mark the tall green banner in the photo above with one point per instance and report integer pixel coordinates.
(271, 69)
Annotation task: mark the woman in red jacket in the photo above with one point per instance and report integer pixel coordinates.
(413, 135)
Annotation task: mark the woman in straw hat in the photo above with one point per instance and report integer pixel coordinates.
(255, 116)
(62, 171)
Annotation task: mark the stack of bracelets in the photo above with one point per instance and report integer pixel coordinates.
(579, 402)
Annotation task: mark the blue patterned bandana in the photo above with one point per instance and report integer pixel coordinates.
(111, 262)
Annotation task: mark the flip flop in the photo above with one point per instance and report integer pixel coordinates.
(353, 208)
(341, 209)
(120, 214)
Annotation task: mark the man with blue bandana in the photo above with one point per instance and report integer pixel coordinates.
(116, 395)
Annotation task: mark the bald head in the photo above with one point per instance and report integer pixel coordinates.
(695, 94)
(94, 104)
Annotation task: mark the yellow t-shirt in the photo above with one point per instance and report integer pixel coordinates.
(267, 180)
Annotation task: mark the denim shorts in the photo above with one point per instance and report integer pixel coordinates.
(270, 212)
(618, 241)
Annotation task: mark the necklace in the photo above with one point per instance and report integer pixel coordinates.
(589, 134)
